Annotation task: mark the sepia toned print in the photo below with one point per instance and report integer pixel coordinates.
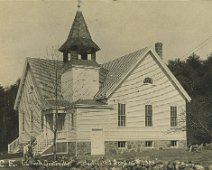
(73, 104)
(106, 101)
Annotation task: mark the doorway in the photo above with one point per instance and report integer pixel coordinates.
(97, 142)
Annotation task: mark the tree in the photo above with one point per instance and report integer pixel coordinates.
(199, 119)
(54, 80)
(195, 76)
(8, 117)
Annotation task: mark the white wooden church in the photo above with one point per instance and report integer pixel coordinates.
(127, 104)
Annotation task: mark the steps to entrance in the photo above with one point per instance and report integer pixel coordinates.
(13, 147)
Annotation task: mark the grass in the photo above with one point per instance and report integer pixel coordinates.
(203, 157)
(10, 156)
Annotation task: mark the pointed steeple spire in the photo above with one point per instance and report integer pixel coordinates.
(79, 38)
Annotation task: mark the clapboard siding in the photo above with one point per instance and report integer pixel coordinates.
(71, 129)
(161, 95)
(30, 108)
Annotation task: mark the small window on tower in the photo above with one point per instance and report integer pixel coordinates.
(69, 57)
(148, 80)
(89, 56)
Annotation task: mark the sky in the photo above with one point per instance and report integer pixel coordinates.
(31, 28)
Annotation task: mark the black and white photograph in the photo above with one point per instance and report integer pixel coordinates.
(105, 85)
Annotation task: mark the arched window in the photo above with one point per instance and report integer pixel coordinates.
(148, 80)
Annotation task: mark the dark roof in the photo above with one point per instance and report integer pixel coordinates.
(89, 102)
(79, 36)
(117, 69)
(44, 72)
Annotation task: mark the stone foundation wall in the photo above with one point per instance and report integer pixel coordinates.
(83, 148)
(111, 147)
(138, 146)
(71, 148)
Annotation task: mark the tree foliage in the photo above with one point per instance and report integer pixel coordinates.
(195, 76)
(8, 117)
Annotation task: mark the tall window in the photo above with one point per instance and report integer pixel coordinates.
(32, 119)
(23, 119)
(60, 122)
(72, 120)
(148, 115)
(121, 115)
(173, 116)
(42, 121)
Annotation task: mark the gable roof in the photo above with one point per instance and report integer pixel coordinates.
(43, 73)
(120, 68)
(117, 69)
(79, 36)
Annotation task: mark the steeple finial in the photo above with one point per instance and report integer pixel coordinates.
(79, 4)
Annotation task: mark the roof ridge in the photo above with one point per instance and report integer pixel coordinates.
(46, 59)
(133, 52)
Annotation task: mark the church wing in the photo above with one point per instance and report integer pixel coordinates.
(121, 68)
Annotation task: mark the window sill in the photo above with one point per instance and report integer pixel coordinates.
(121, 127)
(174, 127)
(174, 147)
(150, 84)
(152, 147)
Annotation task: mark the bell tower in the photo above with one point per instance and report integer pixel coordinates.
(80, 78)
(79, 43)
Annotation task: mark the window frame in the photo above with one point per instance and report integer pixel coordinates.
(122, 144)
(147, 80)
(31, 120)
(173, 116)
(147, 144)
(72, 120)
(175, 142)
(121, 115)
(23, 122)
(61, 122)
(148, 115)
(42, 121)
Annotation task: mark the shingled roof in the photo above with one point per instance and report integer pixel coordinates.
(117, 69)
(79, 36)
(44, 73)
